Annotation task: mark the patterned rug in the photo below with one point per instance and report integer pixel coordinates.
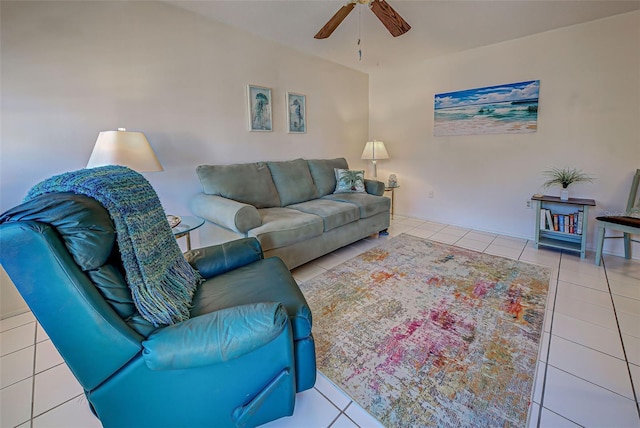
(426, 334)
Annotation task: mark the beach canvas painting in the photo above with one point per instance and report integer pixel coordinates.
(502, 109)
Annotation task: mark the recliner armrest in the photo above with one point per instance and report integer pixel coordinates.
(374, 187)
(214, 337)
(218, 259)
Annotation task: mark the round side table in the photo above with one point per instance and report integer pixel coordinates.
(186, 226)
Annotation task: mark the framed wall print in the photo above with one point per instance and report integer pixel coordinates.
(510, 108)
(259, 105)
(296, 113)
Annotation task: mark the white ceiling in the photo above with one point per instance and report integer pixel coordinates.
(439, 27)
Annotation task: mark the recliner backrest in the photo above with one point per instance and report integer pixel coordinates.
(59, 250)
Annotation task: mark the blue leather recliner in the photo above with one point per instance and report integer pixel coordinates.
(238, 361)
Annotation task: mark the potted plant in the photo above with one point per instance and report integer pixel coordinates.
(565, 177)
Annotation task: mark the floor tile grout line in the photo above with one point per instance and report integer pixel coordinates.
(591, 382)
(328, 399)
(17, 326)
(33, 375)
(624, 350)
(546, 366)
(559, 415)
(57, 406)
(588, 347)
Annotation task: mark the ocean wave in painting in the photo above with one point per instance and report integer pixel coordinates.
(504, 109)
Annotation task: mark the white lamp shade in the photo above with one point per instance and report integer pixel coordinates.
(124, 148)
(374, 150)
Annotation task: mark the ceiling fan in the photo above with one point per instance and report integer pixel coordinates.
(385, 13)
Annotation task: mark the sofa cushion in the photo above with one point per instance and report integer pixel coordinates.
(266, 280)
(293, 181)
(284, 226)
(349, 181)
(250, 183)
(368, 204)
(322, 172)
(333, 213)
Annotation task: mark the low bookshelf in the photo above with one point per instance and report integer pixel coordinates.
(562, 224)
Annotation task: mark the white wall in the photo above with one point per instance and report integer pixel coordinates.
(589, 117)
(72, 69)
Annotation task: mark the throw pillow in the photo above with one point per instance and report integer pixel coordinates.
(348, 181)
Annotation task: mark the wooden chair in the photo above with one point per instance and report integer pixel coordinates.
(628, 222)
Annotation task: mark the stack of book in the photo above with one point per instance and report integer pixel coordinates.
(567, 223)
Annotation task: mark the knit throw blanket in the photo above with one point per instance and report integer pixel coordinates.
(161, 281)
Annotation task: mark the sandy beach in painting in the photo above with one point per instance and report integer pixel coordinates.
(504, 109)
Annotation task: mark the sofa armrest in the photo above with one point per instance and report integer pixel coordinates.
(214, 337)
(218, 259)
(374, 187)
(225, 212)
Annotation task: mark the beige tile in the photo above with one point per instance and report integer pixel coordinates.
(627, 305)
(541, 257)
(596, 367)
(41, 334)
(17, 338)
(550, 419)
(47, 356)
(585, 403)
(481, 236)
(629, 324)
(587, 312)
(73, 413)
(455, 230)
(312, 410)
(499, 250)
(635, 375)
(632, 348)
(16, 321)
(444, 238)
(579, 293)
(510, 242)
(361, 417)
(432, 226)
(421, 233)
(343, 421)
(582, 272)
(306, 272)
(15, 403)
(54, 387)
(16, 366)
(587, 334)
(472, 244)
(332, 392)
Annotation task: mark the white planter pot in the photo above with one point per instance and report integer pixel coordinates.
(564, 195)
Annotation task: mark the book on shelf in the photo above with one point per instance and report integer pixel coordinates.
(566, 223)
(549, 219)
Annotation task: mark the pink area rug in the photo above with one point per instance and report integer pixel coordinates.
(426, 334)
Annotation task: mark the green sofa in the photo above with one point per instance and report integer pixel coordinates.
(290, 206)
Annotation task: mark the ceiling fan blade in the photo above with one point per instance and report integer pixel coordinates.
(335, 20)
(389, 18)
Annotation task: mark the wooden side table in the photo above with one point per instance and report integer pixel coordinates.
(572, 240)
(392, 190)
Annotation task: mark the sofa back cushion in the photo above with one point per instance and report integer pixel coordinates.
(322, 172)
(249, 183)
(293, 181)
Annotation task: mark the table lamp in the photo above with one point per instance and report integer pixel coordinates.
(373, 151)
(124, 148)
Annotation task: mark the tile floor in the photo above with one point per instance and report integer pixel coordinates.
(588, 371)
